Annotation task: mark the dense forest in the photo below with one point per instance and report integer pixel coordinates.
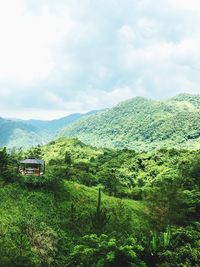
(142, 124)
(100, 207)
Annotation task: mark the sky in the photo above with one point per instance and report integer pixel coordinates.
(64, 56)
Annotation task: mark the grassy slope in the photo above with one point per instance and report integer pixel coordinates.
(53, 209)
(18, 204)
(143, 124)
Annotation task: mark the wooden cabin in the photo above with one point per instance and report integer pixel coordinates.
(32, 166)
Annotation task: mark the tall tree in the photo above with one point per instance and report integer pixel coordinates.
(100, 218)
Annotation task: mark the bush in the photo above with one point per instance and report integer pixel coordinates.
(184, 250)
(48, 181)
(105, 251)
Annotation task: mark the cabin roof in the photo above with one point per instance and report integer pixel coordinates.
(32, 161)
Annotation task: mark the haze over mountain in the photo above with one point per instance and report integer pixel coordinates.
(143, 124)
(17, 134)
(52, 126)
(27, 133)
(138, 123)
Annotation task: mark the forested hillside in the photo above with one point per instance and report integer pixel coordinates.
(28, 133)
(139, 123)
(52, 126)
(100, 207)
(143, 124)
(19, 134)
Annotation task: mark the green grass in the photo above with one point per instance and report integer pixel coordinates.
(138, 209)
(20, 204)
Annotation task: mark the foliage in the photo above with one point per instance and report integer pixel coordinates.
(8, 166)
(105, 251)
(39, 226)
(63, 219)
(48, 181)
(35, 152)
(184, 249)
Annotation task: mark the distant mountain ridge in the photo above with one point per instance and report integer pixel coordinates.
(52, 126)
(139, 123)
(27, 133)
(142, 124)
(17, 134)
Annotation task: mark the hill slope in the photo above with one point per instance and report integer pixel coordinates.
(52, 126)
(55, 220)
(27, 133)
(17, 134)
(143, 124)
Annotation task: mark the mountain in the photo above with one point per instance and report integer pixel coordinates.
(142, 124)
(52, 126)
(18, 134)
(27, 133)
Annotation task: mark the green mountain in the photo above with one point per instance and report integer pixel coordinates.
(52, 126)
(18, 134)
(142, 124)
(27, 133)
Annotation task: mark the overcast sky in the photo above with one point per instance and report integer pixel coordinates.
(63, 56)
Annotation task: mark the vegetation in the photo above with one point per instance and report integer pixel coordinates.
(28, 133)
(139, 124)
(143, 124)
(100, 207)
(17, 134)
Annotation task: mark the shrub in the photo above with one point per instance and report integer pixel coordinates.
(48, 181)
(105, 251)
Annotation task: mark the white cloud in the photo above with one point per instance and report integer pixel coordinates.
(27, 41)
(101, 99)
(69, 56)
(127, 34)
(29, 113)
(4, 93)
(192, 5)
